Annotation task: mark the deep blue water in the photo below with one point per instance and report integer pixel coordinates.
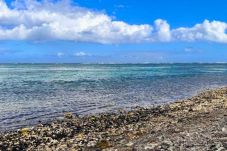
(33, 92)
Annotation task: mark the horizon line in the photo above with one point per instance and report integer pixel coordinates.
(113, 63)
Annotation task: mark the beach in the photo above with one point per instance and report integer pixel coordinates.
(95, 75)
(197, 123)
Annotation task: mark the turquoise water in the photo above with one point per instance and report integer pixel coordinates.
(39, 92)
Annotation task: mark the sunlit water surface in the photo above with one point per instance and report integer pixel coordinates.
(40, 92)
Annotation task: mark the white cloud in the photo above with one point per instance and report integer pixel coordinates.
(43, 20)
(162, 30)
(35, 20)
(81, 54)
(206, 31)
(188, 49)
(120, 6)
(60, 54)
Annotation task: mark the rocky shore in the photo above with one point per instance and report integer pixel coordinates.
(198, 123)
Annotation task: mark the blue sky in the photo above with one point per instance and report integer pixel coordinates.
(113, 31)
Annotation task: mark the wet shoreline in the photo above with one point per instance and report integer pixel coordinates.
(198, 123)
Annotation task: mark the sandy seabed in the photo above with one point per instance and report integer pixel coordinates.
(197, 123)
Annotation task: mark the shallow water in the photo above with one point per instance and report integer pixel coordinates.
(33, 92)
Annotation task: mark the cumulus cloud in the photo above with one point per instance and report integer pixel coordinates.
(210, 31)
(35, 20)
(60, 20)
(162, 30)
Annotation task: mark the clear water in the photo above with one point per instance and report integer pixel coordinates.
(33, 92)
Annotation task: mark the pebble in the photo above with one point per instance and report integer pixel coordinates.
(163, 127)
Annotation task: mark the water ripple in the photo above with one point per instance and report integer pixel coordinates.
(31, 92)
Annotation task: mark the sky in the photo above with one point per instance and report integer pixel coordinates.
(113, 31)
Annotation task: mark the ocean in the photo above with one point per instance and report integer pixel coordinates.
(30, 93)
